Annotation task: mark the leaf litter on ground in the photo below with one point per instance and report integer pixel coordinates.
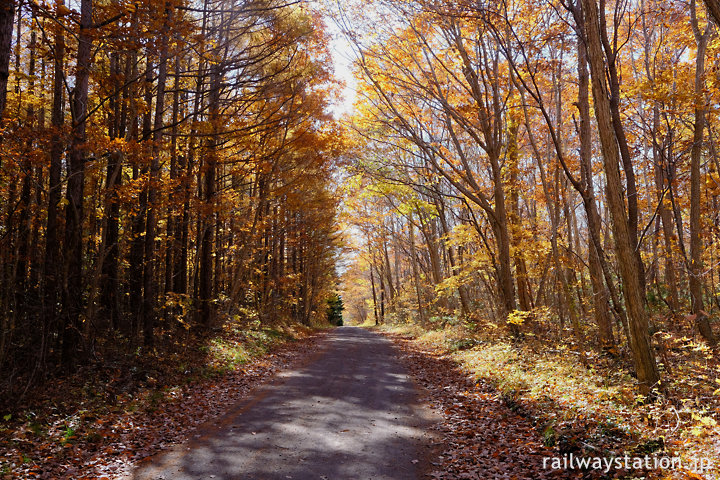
(483, 436)
(106, 443)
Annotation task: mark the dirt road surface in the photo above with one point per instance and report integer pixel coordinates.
(351, 413)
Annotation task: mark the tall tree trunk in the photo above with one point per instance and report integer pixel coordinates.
(502, 237)
(173, 233)
(136, 214)
(52, 268)
(21, 269)
(565, 297)
(696, 248)
(7, 17)
(660, 164)
(492, 107)
(600, 296)
(111, 235)
(139, 218)
(430, 235)
(382, 292)
(611, 53)
(36, 255)
(205, 293)
(416, 273)
(181, 274)
(149, 290)
(643, 356)
(521, 273)
(462, 290)
(665, 217)
(388, 272)
(73, 291)
(372, 285)
(110, 270)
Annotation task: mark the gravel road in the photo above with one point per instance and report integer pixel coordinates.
(351, 413)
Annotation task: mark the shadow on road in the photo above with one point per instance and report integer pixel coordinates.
(351, 414)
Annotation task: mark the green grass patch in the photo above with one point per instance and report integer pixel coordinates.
(238, 347)
(68, 435)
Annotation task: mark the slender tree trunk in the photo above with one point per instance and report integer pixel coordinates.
(111, 235)
(205, 292)
(462, 291)
(139, 222)
(388, 272)
(600, 294)
(643, 356)
(74, 291)
(696, 248)
(172, 227)
(416, 273)
(372, 284)
(181, 265)
(665, 218)
(564, 294)
(502, 237)
(130, 118)
(7, 17)
(521, 273)
(149, 290)
(36, 252)
(21, 269)
(382, 293)
(52, 269)
(631, 184)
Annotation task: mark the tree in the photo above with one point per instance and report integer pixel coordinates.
(199, 161)
(73, 291)
(465, 126)
(334, 310)
(7, 15)
(696, 249)
(713, 7)
(645, 364)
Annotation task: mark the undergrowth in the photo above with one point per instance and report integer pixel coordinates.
(590, 407)
(238, 346)
(76, 408)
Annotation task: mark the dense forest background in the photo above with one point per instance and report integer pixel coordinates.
(546, 168)
(535, 193)
(164, 166)
(551, 168)
(531, 187)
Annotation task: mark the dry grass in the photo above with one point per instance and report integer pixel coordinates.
(594, 407)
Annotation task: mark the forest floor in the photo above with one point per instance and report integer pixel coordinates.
(562, 407)
(100, 421)
(502, 410)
